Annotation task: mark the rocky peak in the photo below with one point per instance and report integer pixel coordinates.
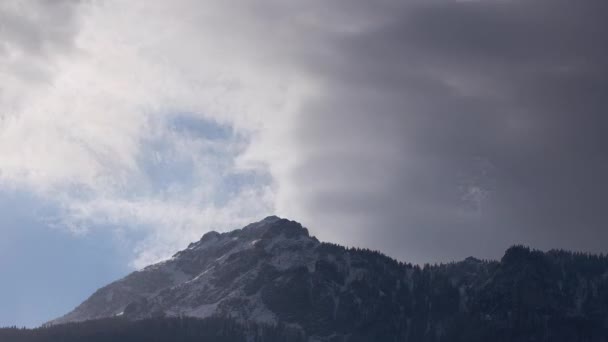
(269, 228)
(273, 226)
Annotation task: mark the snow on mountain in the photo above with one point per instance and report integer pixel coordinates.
(208, 277)
(273, 272)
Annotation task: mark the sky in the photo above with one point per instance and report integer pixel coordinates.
(431, 130)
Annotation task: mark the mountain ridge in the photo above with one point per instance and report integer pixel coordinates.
(273, 271)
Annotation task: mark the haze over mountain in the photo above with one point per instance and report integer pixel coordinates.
(273, 273)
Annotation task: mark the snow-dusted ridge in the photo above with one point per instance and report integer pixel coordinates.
(203, 279)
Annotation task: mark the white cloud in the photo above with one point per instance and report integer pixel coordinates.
(79, 133)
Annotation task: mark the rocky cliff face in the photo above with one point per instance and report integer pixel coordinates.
(274, 272)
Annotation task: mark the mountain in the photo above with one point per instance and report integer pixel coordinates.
(273, 273)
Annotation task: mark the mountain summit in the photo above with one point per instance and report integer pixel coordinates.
(209, 277)
(273, 272)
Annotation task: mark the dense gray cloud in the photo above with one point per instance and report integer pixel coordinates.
(457, 128)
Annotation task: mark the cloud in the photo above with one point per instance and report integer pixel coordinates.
(429, 129)
(100, 133)
(452, 128)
